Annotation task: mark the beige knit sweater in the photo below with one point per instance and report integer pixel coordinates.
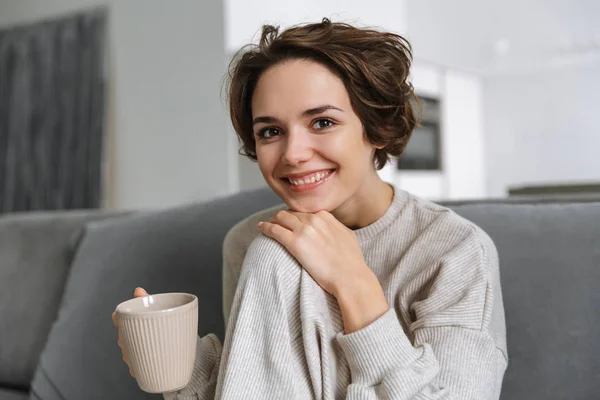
(442, 338)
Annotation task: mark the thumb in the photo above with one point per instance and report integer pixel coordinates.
(139, 292)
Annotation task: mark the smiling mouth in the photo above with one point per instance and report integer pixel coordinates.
(308, 182)
(317, 177)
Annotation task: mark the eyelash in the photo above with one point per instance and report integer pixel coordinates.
(330, 121)
(262, 132)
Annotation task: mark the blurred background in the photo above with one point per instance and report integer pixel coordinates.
(118, 104)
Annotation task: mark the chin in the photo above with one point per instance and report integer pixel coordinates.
(304, 205)
(305, 209)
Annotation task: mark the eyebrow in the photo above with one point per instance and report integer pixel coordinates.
(307, 113)
(320, 110)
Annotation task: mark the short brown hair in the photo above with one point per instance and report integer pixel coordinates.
(373, 65)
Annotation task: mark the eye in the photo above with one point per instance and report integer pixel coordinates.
(268, 133)
(323, 123)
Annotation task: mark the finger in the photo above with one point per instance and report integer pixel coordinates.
(139, 292)
(288, 220)
(327, 216)
(316, 221)
(277, 232)
(114, 318)
(330, 220)
(300, 215)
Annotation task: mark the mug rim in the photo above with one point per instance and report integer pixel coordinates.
(191, 303)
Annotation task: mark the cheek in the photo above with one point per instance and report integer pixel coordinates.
(357, 160)
(352, 152)
(266, 159)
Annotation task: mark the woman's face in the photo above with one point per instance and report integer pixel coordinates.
(310, 144)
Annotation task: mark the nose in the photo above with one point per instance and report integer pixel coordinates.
(298, 148)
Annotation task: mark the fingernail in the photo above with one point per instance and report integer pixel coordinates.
(260, 223)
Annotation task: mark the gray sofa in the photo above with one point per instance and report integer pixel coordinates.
(62, 273)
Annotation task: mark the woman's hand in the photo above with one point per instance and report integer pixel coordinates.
(138, 292)
(331, 254)
(327, 249)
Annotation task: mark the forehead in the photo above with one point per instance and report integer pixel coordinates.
(294, 86)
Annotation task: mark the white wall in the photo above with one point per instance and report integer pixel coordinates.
(167, 61)
(463, 136)
(543, 128)
(502, 36)
(244, 18)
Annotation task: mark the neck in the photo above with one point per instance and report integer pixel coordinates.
(367, 206)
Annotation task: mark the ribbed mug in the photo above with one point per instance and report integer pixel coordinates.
(159, 335)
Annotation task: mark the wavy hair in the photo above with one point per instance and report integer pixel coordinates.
(373, 65)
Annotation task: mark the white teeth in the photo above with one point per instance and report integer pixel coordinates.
(316, 178)
(321, 175)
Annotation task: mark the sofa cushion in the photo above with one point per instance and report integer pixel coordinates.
(34, 261)
(174, 250)
(8, 394)
(550, 271)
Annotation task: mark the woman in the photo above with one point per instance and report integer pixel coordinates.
(355, 289)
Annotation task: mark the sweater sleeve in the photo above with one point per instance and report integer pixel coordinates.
(453, 353)
(206, 370)
(233, 258)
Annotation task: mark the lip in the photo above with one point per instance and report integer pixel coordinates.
(296, 177)
(306, 187)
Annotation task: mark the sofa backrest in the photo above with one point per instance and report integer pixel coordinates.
(35, 255)
(550, 272)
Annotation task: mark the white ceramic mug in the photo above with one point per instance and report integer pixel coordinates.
(159, 333)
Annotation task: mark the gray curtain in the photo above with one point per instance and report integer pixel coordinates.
(52, 112)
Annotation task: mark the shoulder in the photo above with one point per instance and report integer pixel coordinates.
(450, 231)
(242, 234)
(461, 275)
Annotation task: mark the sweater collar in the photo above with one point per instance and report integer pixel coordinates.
(370, 231)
